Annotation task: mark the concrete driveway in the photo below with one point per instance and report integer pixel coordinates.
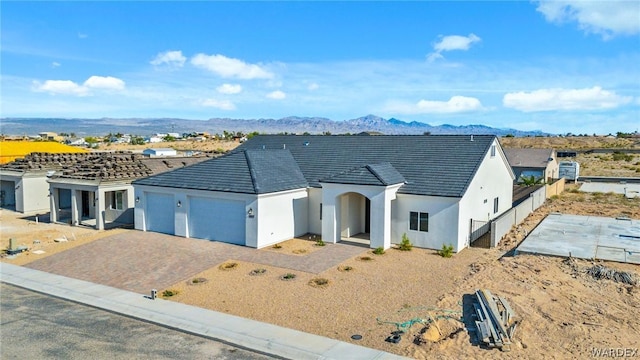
(140, 261)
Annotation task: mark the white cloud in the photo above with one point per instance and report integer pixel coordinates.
(55, 64)
(277, 95)
(594, 98)
(313, 86)
(229, 67)
(68, 87)
(450, 43)
(606, 18)
(219, 104)
(171, 58)
(63, 87)
(456, 104)
(104, 82)
(229, 89)
(82, 36)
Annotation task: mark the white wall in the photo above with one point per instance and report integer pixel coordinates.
(282, 216)
(314, 201)
(443, 220)
(352, 214)
(493, 179)
(29, 193)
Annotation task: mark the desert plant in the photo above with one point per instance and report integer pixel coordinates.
(378, 251)
(405, 244)
(277, 246)
(365, 258)
(259, 271)
(530, 180)
(288, 276)
(320, 242)
(228, 266)
(169, 293)
(446, 251)
(345, 268)
(319, 282)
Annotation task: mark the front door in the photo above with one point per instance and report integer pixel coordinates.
(367, 215)
(85, 204)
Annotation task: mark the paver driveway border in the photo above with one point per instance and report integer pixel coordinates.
(140, 261)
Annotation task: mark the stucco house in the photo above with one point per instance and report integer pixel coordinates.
(96, 190)
(159, 152)
(539, 163)
(275, 187)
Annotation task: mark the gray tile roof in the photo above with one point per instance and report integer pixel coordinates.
(249, 172)
(383, 174)
(438, 165)
(530, 158)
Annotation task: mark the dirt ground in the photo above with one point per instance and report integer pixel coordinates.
(563, 313)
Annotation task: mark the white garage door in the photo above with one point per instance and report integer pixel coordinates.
(217, 219)
(159, 213)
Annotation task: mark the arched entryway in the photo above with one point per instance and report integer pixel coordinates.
(355, 218)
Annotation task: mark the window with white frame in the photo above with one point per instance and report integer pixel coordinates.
(418, 221)
(495, 205)
(493, 150)
(117, 202)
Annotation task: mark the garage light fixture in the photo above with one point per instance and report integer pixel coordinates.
(179, 203)
(250, 212)
(137, 199)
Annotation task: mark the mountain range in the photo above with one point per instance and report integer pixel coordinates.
(292, 125)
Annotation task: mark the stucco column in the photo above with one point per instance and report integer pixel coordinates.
(53, 200)
(380, 235)
(330, 215)
(99, 208)
(74, 208)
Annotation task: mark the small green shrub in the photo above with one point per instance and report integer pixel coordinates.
(288, 276)
(378, 251)
(320, 242)
(405, 244)
(446, 251)
(169, 293)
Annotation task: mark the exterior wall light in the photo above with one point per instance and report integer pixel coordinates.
(250, 212)
(179, 203)
(137, 199)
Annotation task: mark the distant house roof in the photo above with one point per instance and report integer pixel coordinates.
(529, 158)
(438, 165)
(250, 172)
(154, 150)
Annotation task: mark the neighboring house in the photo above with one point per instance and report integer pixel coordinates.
(542, 164)
(275, 187)
(96, 190)
(50, 136)
(76, 142)
(159, 152)
(23, 181)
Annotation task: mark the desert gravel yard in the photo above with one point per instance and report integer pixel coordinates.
(563, 312)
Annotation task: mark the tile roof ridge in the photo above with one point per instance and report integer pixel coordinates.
(254, 181)
(375, 173)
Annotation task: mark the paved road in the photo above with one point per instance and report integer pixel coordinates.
(37, 326)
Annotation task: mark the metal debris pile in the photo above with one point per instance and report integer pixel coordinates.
(495, 322)
(603, 272)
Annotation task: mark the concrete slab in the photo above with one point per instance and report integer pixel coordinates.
(629, 190)
(585, 237)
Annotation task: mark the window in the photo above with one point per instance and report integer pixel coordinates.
(495, 205)
(493, 150)
(320, 211)
(418, 221)
(116, 200)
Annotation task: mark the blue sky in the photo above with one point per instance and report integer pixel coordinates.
(556, 66)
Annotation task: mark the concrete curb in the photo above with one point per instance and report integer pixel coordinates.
(246, 333)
